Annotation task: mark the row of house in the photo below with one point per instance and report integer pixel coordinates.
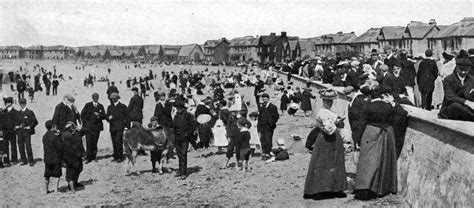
(414, 38)
(37, 52)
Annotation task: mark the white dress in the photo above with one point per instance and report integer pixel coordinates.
(254, 137)
(219, 131)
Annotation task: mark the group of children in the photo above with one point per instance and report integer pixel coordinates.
(63, 149)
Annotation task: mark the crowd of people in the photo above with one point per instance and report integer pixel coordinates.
(378, 86)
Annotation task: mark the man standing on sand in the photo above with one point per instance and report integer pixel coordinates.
(92, 115)
(65, 112)
(266, 125)
(8, 128)
(184, 126)
(135, 110)
(426, 76)
(25, 127)
(117, 116)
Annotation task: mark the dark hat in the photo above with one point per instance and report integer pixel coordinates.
(374, 52)
(338, 53)
(135, 89)
(463, 62)
(154, 118)
(397, 64)
(428, 52)
(328, 94)
(244, 122)
(447, 56)
(180, 104)
(8, 100)
(253, 114)
(265, 95)
(470, 51)
(48, 124)
(22, 101)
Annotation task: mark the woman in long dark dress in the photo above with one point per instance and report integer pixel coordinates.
(306, 97)
(377, 167)
(327, 172)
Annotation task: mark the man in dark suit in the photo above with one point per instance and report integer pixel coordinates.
(266, 125)
(458, 102)
(66, 111)
(184, 126)
(92, 115)
(135, 107)
(25, 127)
(8, 126)
(353, 75)
(117, 116)
(112, 88)
(391, 60)
(471, 58)
(21, 87)
(426, 76)
(395, 84)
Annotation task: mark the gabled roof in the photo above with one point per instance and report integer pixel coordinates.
(392, 32)
(418, 30)
(465, 28)
(293, 44)
(269, 39)
(171, 49)
(186, 50)
(211, 43)
(338, 38)
(115, 52)
(370, 36)
(244, 41)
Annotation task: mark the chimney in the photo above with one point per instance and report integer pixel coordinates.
(283, 33)
(272, 34)
(432, 22)
(466, 21)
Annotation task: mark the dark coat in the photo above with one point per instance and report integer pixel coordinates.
(164, 115)
(201, 109)
(354, 115)
(52, 148)
(26, 119)
(184, 126)
(296, 97)
(454, 90)
(306, 100)
(268, 117)
(258, 87)
(119, 117)
(408, 73)
(91, 121)
(63, 114)
(285, 99)
(395, 85)
(135, 108)
(427, 74)
(390, 62)
(9, 120)
(73, 148)
(352, 78)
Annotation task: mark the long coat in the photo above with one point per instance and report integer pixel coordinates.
(27, 119)
(90, 120)
(119, 117)
(63, 114)
(268, 117)
(427, 74)
(163, 113)
(306, 97)
(135, 108)
(327, 171)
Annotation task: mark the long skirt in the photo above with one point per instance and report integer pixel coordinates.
(438, 93)
(377, 166)
(327, 171)
(220, 138)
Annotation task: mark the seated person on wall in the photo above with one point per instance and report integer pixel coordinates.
(395, 84)
(458, 102)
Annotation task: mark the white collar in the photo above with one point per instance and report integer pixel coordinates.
(115, 104)
(9, 108)
(243, 129)
(23, 109)
(460, 78)
(268, 104)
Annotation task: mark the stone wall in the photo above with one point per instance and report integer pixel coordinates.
(436, 166)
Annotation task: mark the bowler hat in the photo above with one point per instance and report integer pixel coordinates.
(22, 101)
(463, 62)
(135, 89)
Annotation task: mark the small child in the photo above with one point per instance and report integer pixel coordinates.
(280, 152)
(243, 143)
(254, 136)
(73, 154)
(52, 156)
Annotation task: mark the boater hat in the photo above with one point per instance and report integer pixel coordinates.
(328, 94)
(203, 118)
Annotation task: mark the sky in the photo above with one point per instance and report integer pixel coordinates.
(80, 22)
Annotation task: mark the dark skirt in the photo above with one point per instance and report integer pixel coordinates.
(377, 166)
(327, 170)
(53, 170)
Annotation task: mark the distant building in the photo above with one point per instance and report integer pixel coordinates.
(57, 52)
(330, 44)
(244, 49)
(307, 46)
(192, 52)
(216, 51)
(272, 47)
(453, 37)
(11, 52)
(365, 43)
(393, 36)
(416, 34)
(293, 50)
(32, 52)
(170, 52)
